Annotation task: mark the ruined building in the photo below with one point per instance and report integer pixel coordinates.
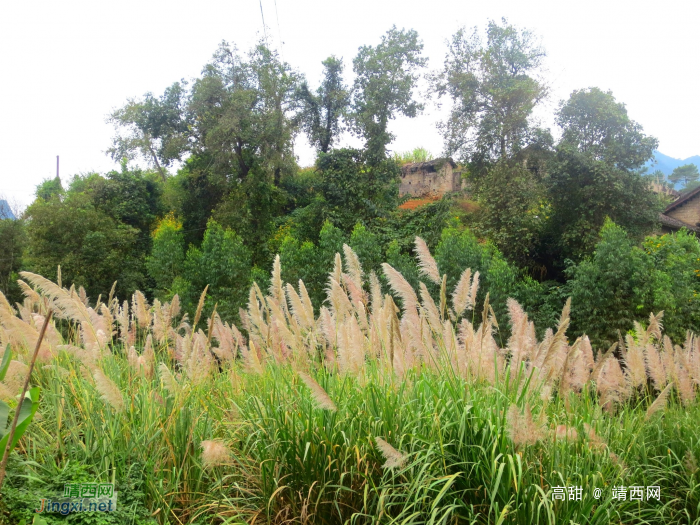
(434, 178)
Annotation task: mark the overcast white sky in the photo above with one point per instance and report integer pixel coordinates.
(65, 65)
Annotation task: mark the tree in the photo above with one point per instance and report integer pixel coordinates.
(13, 240)
(583, 192)
(223, 263)
(165, 262)
(353, 188)
(386, 76)
(156, 128)
(676, 260)
(619, 284)
(93, 249)
(688, 173)
(493, 89)
(242, 113)
(594, 175)
(598, 126)
(513, 210)
(322, 112)
(48, 188)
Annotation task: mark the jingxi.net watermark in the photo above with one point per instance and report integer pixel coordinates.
(81, 497)
(619, 493)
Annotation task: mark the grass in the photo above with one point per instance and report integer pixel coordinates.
(418, 154)
(467, 451)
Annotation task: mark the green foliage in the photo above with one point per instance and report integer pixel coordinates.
(584, 191)
(13, 240)
(223, 263)
(27, 409)
(385, 78)
(155, 128)
(311, 262)
(612, 288)
(427, 222)
(22, 494)
(676, 262)
(367, 245)
(130, 197)
(687, 174)
(251, 208)
(493, 88)
(460, 249)
(92, 248)
(322, 112)
(241, 110)
(513, 210)
(195, 192)
(354, 189)
(49, 188)
(595, 124)
(418, 154)
(166, 261)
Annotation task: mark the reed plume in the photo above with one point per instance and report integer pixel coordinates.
(426, 262)
(168, 379)
(109, 391)
(660, 403)
(352, 266)
(522, 428)
(401, 287)
(319, 395)
(393, 458)
(464, 295)
(215, 453)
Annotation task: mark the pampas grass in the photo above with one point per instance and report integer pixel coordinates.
(168, 379)
(426, 262)
(215, 453)
(459, 400)
(464, 295)
(659, 404)
(319, 395)
(109, 391)
(522, 428)
(401, 287)
(394, 458)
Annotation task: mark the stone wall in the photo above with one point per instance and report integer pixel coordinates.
(688, 212)
(430, 179)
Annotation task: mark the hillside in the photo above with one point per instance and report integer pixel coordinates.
(667, 164)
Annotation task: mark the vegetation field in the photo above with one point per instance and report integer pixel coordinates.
(239, 339)
(401, 407)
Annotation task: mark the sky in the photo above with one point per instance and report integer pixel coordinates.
(64, 66)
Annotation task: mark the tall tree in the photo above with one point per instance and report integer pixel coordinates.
(594, 175)
(155, 128)
(598, 126)
(386, 76)
(322, 111)
(688, 173)
(493, 88)
(242, 109)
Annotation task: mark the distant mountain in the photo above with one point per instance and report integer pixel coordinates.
(667, 164)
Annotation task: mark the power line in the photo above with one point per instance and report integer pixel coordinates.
(279, 33)
(263, 21)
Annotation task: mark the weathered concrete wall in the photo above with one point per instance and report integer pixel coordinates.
(434, 178)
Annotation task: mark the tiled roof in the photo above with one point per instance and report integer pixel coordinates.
(676, 224)
(685, 198)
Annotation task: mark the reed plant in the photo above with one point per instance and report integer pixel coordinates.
(391, 405)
